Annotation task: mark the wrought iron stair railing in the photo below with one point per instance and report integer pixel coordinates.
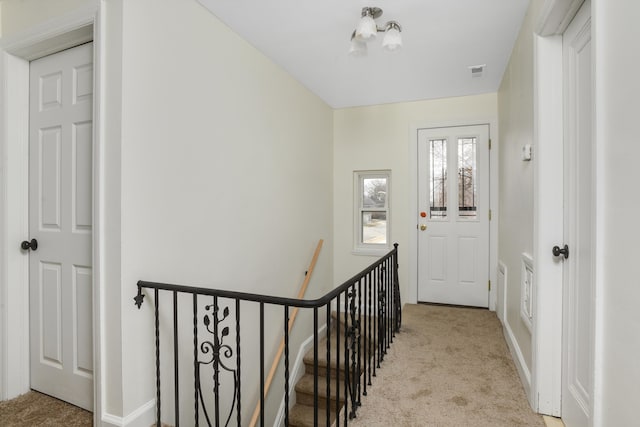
(368, 312)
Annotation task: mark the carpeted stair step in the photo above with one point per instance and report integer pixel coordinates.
(322, 358)
(322, 355)
(368, 326)
(304, 391)
(303, 416)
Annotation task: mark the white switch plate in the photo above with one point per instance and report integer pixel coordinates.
(526, 152)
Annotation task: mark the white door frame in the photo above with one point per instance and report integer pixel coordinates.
(546, 378)
(548, 214)
(412, 296)
(77, 27)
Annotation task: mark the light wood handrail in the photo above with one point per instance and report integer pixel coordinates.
(292, 319)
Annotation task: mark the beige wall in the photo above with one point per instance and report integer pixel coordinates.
(226, 179)
(515, 106)
(379, 137)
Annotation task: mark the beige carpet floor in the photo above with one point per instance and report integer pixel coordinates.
(448, 366)
(37, 409)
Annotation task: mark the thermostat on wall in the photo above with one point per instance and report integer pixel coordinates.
(526, 152)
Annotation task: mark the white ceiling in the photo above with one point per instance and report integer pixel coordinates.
(441, 39)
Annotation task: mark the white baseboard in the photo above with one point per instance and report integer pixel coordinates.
(296, 373)
(144, 416)
(523, 370)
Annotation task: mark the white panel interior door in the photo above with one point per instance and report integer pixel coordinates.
(578, 282)
(453, 216)
(60, 218)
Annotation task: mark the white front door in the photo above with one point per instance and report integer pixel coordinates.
(579, 224)
(453, 215)
(60, 219)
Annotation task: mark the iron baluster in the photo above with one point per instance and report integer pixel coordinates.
(286, 365)
(175, 359)
(338, 360)
(238, 364)
(374, 325)
(354, 338)
(368, 331)
(381, 315)
(359, 341)
(390, 305)
(365, 319)
(346, 359)
(389, 301)
(315, 366)
(262, 364)
(216, 362)
(196, 375)
(328, 373)
(158, 400)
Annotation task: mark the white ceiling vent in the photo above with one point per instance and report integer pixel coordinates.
(477, 70)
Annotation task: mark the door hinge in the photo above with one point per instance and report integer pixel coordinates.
(489, 284)
(489, 143)
(489, 214)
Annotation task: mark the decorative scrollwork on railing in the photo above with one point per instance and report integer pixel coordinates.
(366, 320)
(216, 354)
(353, 339)
(397, 305)
(382, 320)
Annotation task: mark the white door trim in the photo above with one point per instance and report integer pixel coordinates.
(546, 382)
(547, 334)
(77, 27)
(556, 15)
(412, 294)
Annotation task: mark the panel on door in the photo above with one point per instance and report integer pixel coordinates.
(579, 226)
(60, 218)
(453, 215)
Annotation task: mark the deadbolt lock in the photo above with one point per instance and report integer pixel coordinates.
(423, 227)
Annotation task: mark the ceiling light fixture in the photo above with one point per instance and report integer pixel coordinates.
(367, 30)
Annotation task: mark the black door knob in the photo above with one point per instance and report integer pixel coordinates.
(564, 251)
(33, 245)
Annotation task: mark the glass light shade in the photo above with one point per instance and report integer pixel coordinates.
(367, 28)
(358, 48)
(392, 39)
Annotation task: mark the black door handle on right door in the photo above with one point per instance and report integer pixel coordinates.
(564, 251)
(33, 245)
